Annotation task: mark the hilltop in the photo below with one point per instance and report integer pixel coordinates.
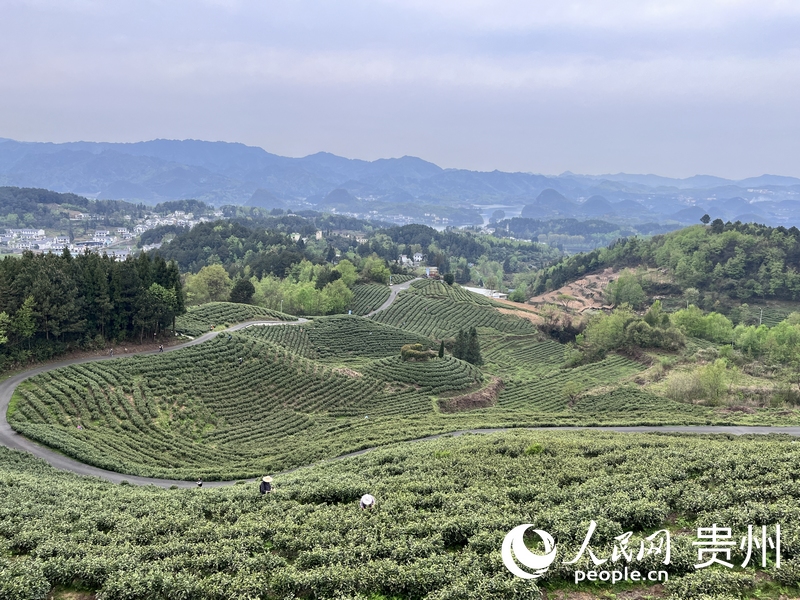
(719, 266)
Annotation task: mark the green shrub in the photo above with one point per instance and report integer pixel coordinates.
(416, 352)
(22, 579)
(534, 448)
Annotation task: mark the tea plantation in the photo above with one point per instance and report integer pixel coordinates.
(442, 511)
(367, 297)
(279, 396)
(199, 319)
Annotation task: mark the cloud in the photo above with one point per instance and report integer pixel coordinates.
(471, 80)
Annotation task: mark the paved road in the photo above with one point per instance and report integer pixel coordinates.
(11, 439)
(396, 289)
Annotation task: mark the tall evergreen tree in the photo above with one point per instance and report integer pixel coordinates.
(460, 346)
(473, 353)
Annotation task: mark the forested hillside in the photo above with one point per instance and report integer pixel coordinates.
(575, 235)
(30, 207)
(739, 261)
(233, 245)
(51, 302)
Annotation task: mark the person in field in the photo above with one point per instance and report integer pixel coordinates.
(199, 483)
(266, 485)
(367, 501)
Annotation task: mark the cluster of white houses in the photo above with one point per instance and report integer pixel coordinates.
(37, 239)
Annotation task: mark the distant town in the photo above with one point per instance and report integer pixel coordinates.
(116, 241)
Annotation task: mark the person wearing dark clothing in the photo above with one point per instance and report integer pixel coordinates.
(161, 347)
(266, 485)
(199, 483)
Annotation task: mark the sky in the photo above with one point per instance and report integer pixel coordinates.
(670, 87)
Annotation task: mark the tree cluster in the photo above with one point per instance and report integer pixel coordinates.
(622, 329)
(31, 207)
(732, 260)
(50, 302)
(467, 347)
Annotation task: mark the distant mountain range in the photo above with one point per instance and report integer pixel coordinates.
(399, 189)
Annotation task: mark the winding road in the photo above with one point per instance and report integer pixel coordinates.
(12, 439)
(395, 289)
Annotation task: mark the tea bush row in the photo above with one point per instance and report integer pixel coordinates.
(443, 509)
(198, 319)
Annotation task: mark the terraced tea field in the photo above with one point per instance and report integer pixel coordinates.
(441, 317)
(546, 393)
(340, 337)
(199, 319)
(399, 278)
(238, 404)
(639, 404)
(270, 397)
(431, 377)
(369, 296)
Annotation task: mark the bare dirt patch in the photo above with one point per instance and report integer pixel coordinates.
(482, 398)
(587, 293)
(347, 372)
(61, 594)
(522, 314)
(641, 593)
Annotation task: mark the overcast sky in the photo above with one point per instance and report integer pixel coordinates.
(591, 86)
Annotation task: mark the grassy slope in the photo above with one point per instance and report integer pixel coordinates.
(443, 509)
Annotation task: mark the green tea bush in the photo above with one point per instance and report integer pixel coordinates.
(443, 508)
(22, 579)
(441, 311)
(367, 297)
(198, 319)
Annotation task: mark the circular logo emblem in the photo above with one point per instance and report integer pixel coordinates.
(514, 547)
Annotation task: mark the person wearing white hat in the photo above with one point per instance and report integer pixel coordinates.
(367, 501)
(266, 484)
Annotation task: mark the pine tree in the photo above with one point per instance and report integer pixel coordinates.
(460, 347)
(441, 349)
(473, 353)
